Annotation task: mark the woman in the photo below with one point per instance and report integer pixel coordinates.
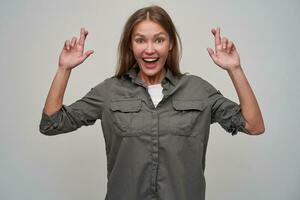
(155, 120)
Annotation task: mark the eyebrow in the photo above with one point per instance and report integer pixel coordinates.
(140, 34)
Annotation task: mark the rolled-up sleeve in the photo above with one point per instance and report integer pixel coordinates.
(83, 112)
(226, 112)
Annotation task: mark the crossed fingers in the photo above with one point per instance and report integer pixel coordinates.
(222, 44)
(69, 44)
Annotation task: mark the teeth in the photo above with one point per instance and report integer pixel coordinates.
(150, 59)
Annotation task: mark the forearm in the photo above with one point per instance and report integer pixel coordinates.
(248, 103)
(56, 93)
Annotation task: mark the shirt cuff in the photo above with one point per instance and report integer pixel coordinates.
(49, 122)
(238, 123)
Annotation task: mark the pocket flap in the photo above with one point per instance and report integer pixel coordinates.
(189, 104)
(126, 105)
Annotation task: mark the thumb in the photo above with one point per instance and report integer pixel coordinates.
(211, 53)
(87, 54)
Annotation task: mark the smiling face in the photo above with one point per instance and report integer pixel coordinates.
(150, 45)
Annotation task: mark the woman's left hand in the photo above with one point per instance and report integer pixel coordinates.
(225, 54)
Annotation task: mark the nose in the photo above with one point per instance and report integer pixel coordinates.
(149, 48)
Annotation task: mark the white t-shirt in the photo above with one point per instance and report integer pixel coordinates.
(155, 92)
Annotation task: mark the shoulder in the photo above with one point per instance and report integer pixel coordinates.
(113, 85)
(198, 83)
(108, 82)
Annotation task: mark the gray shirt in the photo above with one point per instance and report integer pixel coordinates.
(152, 153)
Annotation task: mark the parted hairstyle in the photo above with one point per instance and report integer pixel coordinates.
(126, 59)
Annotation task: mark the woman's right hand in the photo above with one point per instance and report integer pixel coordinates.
(72, 52)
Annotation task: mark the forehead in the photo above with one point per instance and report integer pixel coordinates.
(148, 27)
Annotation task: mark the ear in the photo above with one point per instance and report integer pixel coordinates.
(171, 46)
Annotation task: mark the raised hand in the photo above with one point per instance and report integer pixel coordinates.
(72, 52)
(225, 54)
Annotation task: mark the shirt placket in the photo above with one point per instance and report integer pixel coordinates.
(155, 133)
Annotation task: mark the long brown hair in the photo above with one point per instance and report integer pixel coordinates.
(158, 15)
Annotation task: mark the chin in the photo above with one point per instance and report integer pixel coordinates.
(150, 72)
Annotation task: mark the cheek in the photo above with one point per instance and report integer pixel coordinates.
(163, 51)
(137, 50)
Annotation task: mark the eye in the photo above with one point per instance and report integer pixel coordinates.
(160, 40)
(139, 40)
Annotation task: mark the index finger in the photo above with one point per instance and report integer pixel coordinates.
(83, 34)
(216, 33)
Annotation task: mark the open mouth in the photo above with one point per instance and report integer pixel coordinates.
(150, 60)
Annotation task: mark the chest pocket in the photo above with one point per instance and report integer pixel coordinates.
(184, 117)
(127, 117)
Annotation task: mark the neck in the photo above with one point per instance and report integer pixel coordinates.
(151, 80)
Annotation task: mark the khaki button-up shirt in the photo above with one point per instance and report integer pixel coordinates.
(152, 152)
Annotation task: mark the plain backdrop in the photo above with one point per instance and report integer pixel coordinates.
(72, 166)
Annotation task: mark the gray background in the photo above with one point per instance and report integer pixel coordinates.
(73, 166)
